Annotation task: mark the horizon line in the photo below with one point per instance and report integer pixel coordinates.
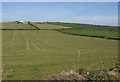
(68, 22)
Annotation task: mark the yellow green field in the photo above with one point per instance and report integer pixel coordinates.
(38, 54)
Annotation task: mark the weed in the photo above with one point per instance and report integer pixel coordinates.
(99, 76)
(82, 71)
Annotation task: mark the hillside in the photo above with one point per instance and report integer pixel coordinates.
(38, 54)
(48, 26)
(15, 25)
(90, 30)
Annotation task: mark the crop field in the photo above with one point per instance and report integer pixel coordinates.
(48, 26)
(87, 26)
(107, 33)
(86, 29)
(14, 25)
(38, 54)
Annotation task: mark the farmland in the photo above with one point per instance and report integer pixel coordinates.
(14, 25)
(86, 26)
(38, 54)
(110, 34)
(48, 26)
(87, 29)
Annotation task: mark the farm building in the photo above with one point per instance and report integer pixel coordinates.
(22, 22)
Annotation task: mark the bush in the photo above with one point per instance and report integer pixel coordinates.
(99, 76)
(82, 71)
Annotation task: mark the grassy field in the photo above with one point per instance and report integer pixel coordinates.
(48, 26)
(38, 54)
(87, 26)
(106, 33)
(14, 25)
(86, 29)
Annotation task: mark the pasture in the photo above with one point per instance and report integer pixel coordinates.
(38, 54)
(48, 26)
(86, 26)
(87, 29)
(106, 33)
(14, 25)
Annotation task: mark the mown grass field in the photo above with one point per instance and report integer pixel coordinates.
(48, 26)
(95, 30)
(38, 54)
(87, 26)
(14, 25)
(106, 33)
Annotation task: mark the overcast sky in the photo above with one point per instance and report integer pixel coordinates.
(105, 13)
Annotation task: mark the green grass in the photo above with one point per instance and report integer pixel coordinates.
(87, 26)
(49, 26)
(87, 29)
(14, 25)
(38, 54)
(107, 33)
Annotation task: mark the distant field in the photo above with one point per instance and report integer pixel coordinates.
(95, 30)
(14, 25)
(87, 26)
(110, 34)
(48, 26)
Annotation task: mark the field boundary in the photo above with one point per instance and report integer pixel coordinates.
(85, 29)
(20, 29)
(104, 37)
(34, 26)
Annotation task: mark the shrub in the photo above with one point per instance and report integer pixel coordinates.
(82, 71)
(99, 76)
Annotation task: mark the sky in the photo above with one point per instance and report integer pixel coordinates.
(102, 13)
(60, 0)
